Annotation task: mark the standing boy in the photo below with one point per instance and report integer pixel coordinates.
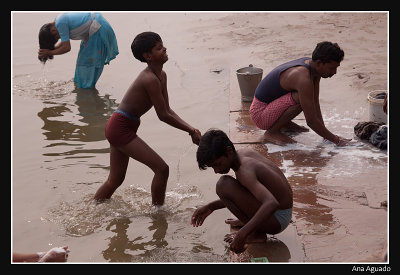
(148, 90)
(260, 195)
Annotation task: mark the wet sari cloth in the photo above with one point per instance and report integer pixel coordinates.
(98, 47)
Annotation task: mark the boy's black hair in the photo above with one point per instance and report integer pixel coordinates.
(46, 40)
(327, 51)
(213, 144)
(143, 43)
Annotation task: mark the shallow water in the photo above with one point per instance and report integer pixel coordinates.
(328, 182)
(60, 155)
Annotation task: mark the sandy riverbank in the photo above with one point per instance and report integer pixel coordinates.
(339, 194)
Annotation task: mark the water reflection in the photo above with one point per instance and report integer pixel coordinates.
(274, 250)
(83, 120)
(127, 245)
(301, 169)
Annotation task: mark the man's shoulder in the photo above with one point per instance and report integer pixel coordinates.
(298, 76)
(300, 71)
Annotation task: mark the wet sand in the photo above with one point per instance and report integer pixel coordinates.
(334, 205)
(340, 194)
(337, 192)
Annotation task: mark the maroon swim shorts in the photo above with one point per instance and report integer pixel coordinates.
(121, 128)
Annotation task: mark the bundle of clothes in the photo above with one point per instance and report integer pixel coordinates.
(374, 132)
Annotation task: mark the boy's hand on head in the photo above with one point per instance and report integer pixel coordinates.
(196, 135)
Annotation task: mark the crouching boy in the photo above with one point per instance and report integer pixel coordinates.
(260, 195)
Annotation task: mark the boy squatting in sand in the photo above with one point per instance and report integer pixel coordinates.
(260, 196)
(148, 90)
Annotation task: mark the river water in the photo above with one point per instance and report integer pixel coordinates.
(61, 157)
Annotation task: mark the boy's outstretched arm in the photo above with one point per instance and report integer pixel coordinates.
(195, 134)
(203, 212)
(165, 113)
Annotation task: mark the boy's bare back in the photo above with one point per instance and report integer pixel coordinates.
(267, 173)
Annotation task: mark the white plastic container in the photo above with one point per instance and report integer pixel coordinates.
(376, 112)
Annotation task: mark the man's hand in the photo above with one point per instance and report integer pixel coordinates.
(343, 141)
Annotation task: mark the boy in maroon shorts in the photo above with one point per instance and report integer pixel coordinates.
(148, 90)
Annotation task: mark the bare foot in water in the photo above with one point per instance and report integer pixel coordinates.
(234, 222)
(256, 237)
(294, 127)
(277, 138)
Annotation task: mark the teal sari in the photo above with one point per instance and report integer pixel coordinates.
(93, 54)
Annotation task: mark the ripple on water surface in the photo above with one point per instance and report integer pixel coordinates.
(83, 217)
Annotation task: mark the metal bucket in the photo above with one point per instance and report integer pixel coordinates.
(376, 113)
(249, 78)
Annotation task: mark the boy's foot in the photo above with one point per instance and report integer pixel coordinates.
(256, 237)
(234, 222)
(277, 138)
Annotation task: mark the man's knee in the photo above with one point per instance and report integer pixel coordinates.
(298, 108)
(294, 110)
(224, 184)
(295, 97)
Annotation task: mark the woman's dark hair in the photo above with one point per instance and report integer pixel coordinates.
(46, 40)
(327, 51)
(213, 144)
(143, 43)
